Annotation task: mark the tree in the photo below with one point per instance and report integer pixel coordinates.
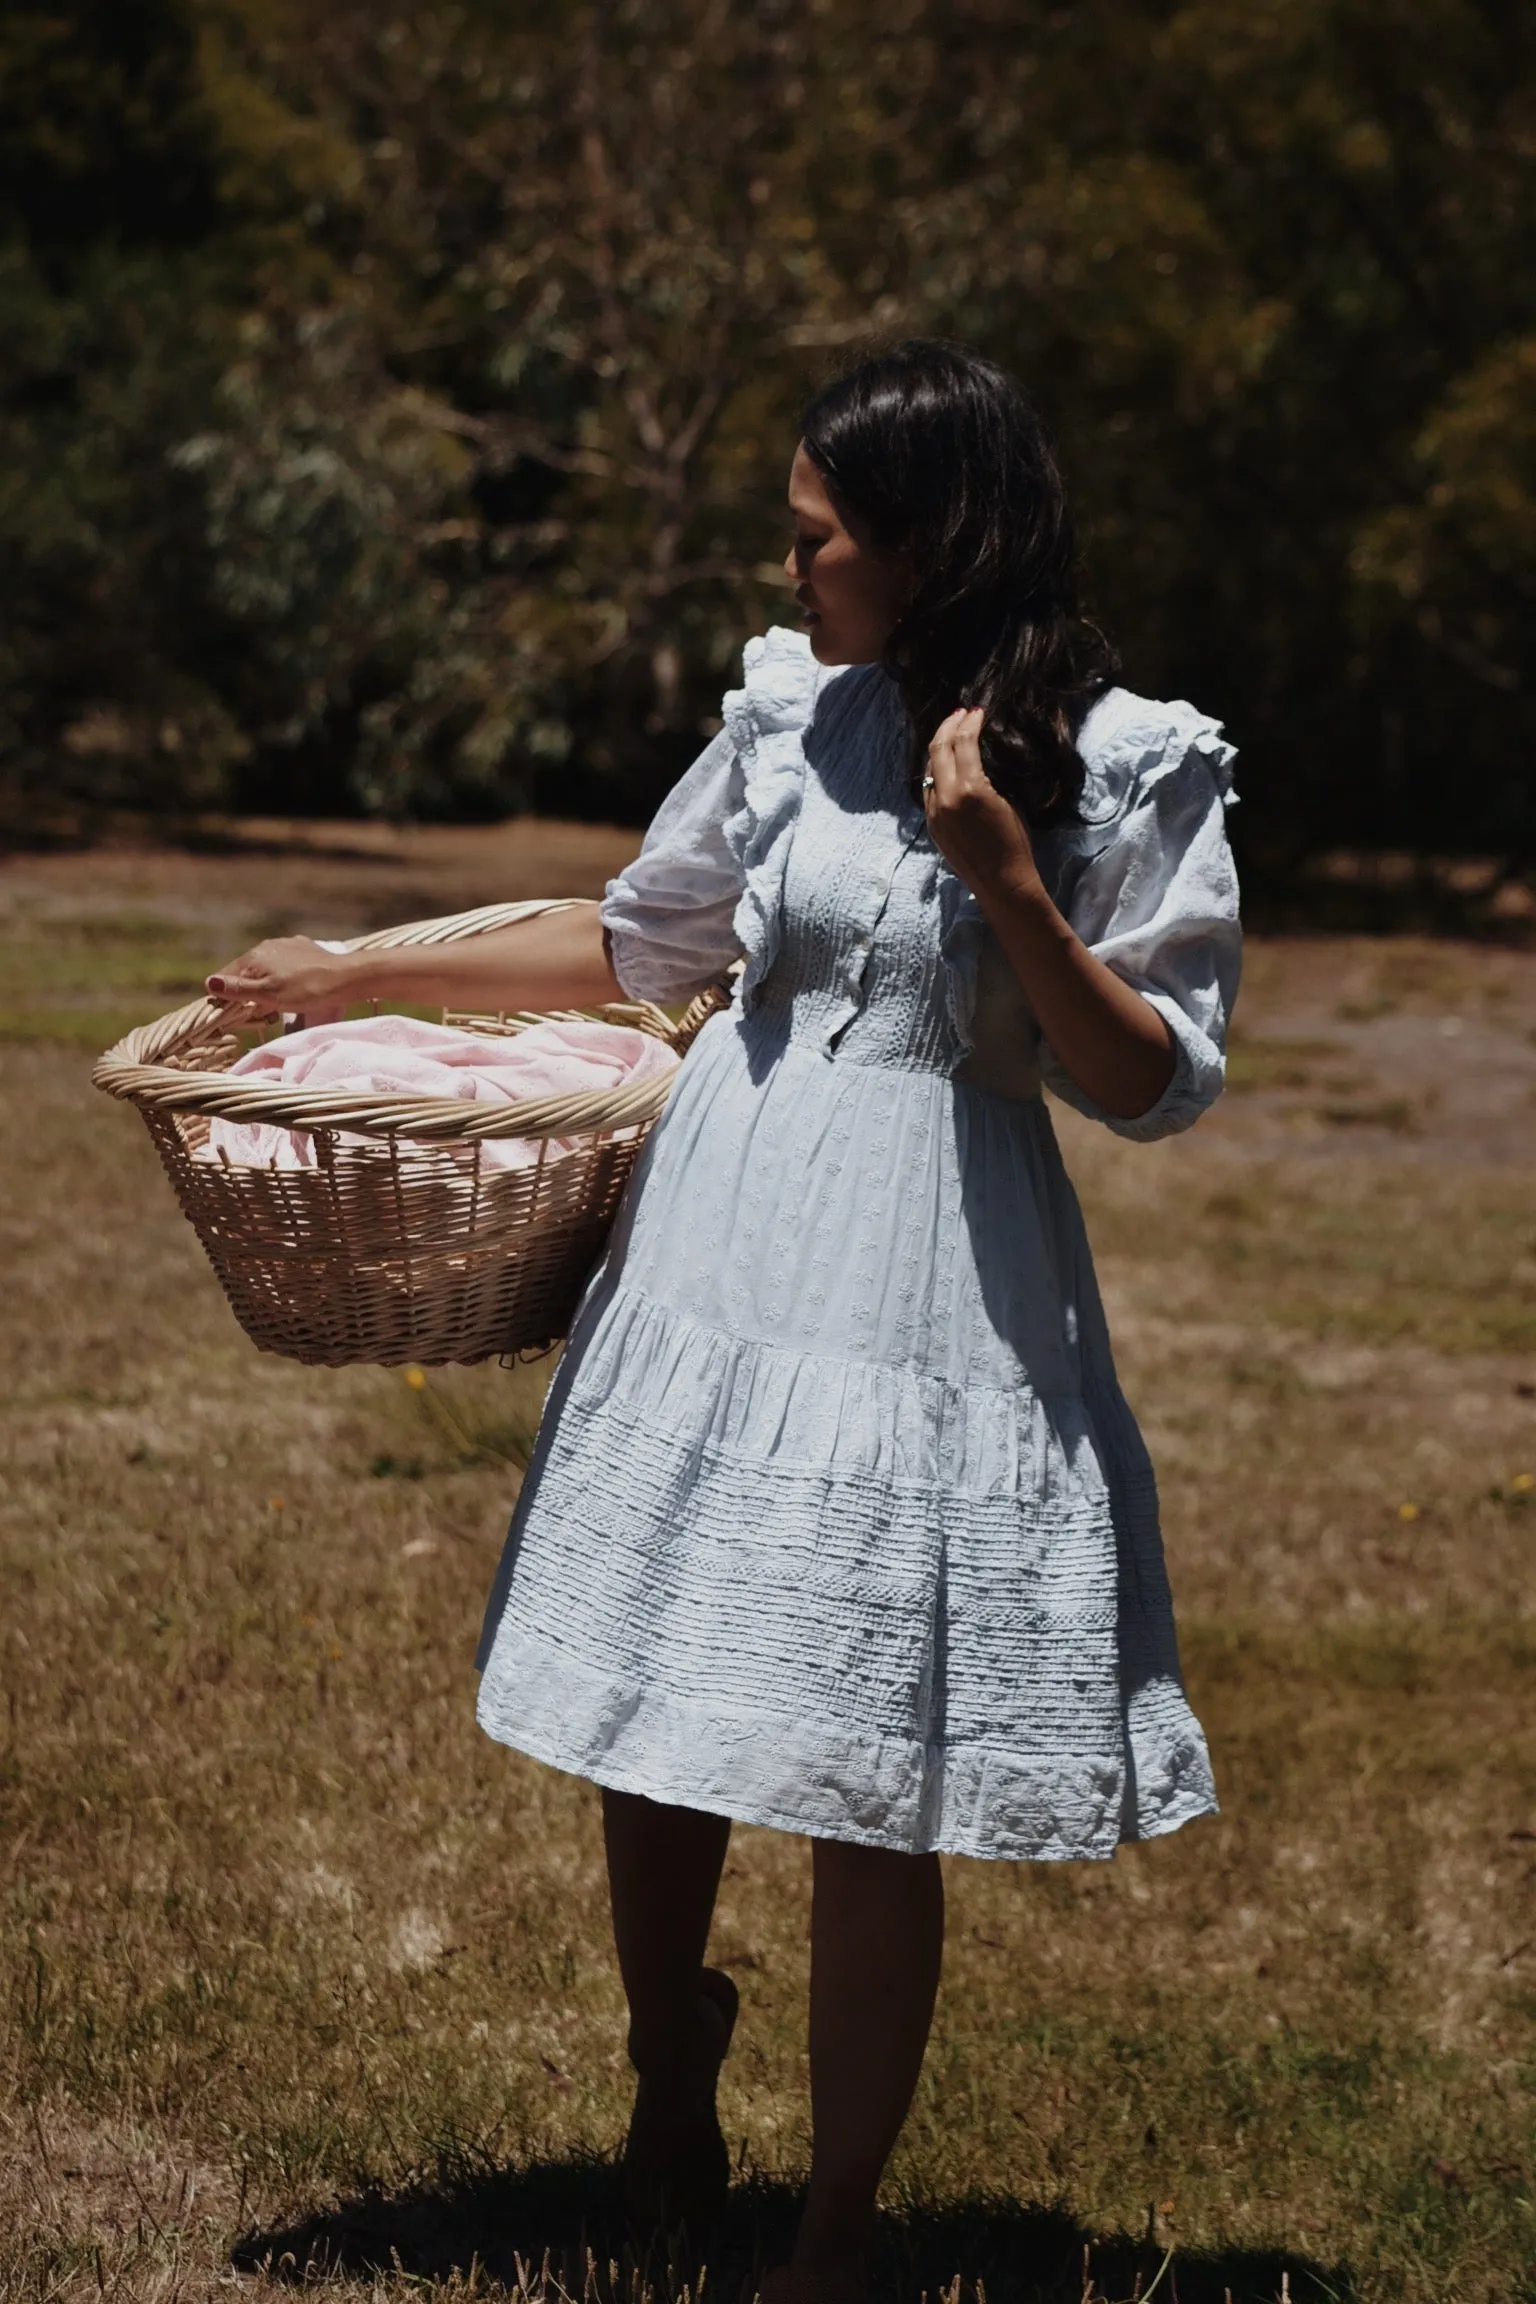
(616, 237)
(415, 436)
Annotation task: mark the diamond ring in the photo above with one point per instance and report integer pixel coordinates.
(927, 783)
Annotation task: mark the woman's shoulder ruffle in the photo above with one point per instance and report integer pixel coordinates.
(1129, 744)
(765, 719)
(780, 683)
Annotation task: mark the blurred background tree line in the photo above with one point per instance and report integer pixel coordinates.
(395, 401)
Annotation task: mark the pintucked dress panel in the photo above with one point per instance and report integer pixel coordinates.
(837, 1520)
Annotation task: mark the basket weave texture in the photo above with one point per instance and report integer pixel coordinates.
(408, 1247)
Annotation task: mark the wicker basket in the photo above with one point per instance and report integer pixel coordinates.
(375, 1254)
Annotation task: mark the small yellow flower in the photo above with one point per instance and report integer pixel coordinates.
(276, 1504)
(1523, 1483)
(1407, 1511)
(416, 1380)
(334, 1650)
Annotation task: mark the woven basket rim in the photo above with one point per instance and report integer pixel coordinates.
(135, 1069)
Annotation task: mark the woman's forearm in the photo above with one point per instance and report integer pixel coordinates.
(553, 960)
(1114, 1043)
(550, 960)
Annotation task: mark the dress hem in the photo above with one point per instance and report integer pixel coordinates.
(613, 1769)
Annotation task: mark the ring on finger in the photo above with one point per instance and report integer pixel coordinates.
(928, 784)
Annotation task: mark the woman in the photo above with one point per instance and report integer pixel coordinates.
(837, 1520)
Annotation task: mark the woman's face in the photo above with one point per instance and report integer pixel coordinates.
(850, 595)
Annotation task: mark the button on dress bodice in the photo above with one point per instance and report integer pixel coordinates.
(859, 975)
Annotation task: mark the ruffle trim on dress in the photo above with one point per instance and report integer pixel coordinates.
(1130, 743)
(728, 1473)
(731, 1467)
(817, 1417)
(798, 1775)
(766, 719)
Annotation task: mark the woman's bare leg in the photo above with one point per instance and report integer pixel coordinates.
(664, 1869)
(877, 1941)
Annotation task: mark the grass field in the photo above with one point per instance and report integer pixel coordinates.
(299, 1970)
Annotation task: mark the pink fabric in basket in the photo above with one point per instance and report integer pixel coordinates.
(397, 1055)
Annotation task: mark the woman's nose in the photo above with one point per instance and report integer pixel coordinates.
(792, 564)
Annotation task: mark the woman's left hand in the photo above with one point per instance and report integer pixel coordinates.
(973, 826)
(1113, 1042)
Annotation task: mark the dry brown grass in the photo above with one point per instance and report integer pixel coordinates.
(297, 1962)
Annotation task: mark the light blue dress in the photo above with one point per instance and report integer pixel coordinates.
(837, 1519)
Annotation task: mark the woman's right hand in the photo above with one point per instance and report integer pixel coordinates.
(287, 975)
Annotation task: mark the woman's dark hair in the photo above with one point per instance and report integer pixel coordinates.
(930, 450)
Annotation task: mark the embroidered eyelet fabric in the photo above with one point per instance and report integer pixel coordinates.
(837, 1520)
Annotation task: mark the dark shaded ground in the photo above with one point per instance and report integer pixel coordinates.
(570, 2212)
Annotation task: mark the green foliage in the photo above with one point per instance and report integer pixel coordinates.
(328, 492)
(394, 402)
(1459, 563)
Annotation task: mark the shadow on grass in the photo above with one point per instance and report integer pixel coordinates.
(559, 2225)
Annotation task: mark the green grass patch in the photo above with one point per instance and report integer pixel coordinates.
(83, 982)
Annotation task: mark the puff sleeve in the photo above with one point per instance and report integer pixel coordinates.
(1152, 890)
(706, 886)
(670, 914)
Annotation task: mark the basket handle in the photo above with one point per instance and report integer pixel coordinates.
(451, 927)
(135, 1067)
(203, 1020)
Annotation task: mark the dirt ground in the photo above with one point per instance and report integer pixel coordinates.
(314, 878)
(302, 1973)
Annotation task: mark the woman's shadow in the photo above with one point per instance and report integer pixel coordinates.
(558, 2226)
